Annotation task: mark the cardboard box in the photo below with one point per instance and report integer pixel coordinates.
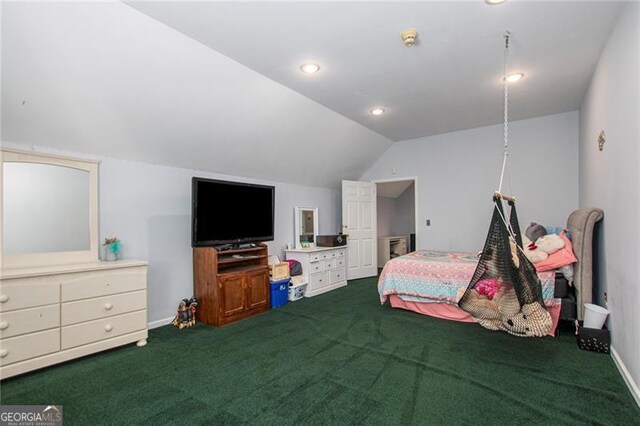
(278, 271)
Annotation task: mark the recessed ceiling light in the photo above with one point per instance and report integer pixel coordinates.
(377, 111)
(512, 78)
(494, 1)
(309, 68)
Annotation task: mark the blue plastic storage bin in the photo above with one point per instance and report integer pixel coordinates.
(279, 292)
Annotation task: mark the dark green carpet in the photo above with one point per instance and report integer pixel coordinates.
(336, 358)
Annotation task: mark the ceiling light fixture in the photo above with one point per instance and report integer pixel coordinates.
(377, 111)
(309, 68)
(512, 78)
(492, 2)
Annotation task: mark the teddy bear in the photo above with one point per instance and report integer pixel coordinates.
(543, 246)
(535, 231)
(490, 310)
(550, 243)
(532, 251)
(532, 320)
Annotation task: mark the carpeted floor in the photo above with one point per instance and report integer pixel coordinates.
(338, 358)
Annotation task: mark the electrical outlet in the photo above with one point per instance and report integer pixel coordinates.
(428, 222)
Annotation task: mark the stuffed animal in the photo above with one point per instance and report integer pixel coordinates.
(513, 247)
(535, 231)
(532, 251)
(491, 313)
(533, 320)
(550, 243)
(488, 287)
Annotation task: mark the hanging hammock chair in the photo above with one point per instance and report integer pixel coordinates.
(505, 292)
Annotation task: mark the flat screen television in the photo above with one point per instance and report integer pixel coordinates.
(225, 212)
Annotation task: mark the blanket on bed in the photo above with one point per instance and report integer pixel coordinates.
(436, 276)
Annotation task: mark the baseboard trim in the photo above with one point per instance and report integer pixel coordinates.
(159, 323)
(631, 384)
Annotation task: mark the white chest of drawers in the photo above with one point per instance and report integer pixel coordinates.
(323, 268)
(53, 314)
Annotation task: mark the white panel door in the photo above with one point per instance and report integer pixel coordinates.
(359, 222)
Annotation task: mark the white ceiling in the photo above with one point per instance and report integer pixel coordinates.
(392, 189)
(216, 86)
(451, 80)
(105, 79)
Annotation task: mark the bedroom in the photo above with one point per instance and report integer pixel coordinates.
(156, 105)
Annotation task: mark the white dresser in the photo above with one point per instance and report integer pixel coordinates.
(323, 268)
(53, 314)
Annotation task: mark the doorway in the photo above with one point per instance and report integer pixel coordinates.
(396, 216)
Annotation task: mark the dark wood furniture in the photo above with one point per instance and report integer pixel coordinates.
(230, 285)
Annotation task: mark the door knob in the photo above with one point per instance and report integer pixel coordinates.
(3, 325)
(3, 298)
(108, 327)
(108, 306)
(3, 353)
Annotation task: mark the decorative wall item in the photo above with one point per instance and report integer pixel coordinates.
(602, 138)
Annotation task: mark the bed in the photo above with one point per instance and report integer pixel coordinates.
(431, 282)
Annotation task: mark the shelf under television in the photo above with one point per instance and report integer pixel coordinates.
(230, 260)
(240, 251)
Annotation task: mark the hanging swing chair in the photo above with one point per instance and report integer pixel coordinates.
(505, 292)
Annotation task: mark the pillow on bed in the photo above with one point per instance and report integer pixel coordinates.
(562, 257)
(557, 230)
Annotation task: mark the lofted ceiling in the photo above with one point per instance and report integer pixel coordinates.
(450, 80)
(216, 86)
(392, 189)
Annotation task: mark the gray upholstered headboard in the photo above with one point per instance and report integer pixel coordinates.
(581, 223)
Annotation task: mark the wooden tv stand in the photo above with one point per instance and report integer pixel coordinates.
(230, 285)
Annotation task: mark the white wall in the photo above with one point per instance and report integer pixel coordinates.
(386, 207)
(149, 208)
(405, 219)
(458, 173)
(610, 179)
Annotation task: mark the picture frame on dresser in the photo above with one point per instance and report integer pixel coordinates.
(58, 301)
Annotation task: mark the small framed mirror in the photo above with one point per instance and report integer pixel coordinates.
(49, 210)
(306, 227)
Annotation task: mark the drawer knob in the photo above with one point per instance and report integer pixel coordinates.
(108, 306)
(3, 298)
(3, 325)
(3, 353)
(108, 327)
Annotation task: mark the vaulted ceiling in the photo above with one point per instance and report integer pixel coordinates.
(450, 80)
(217, 86)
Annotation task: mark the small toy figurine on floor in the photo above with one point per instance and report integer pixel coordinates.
(186, 314)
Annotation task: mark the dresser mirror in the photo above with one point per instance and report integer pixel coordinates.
(49, 209)
(306, 226)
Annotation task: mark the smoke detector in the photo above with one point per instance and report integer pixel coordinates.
(409, 36)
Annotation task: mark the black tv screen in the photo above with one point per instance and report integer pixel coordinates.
(230, 212)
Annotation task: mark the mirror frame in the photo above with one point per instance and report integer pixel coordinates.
(52, 258)
(298, 210)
